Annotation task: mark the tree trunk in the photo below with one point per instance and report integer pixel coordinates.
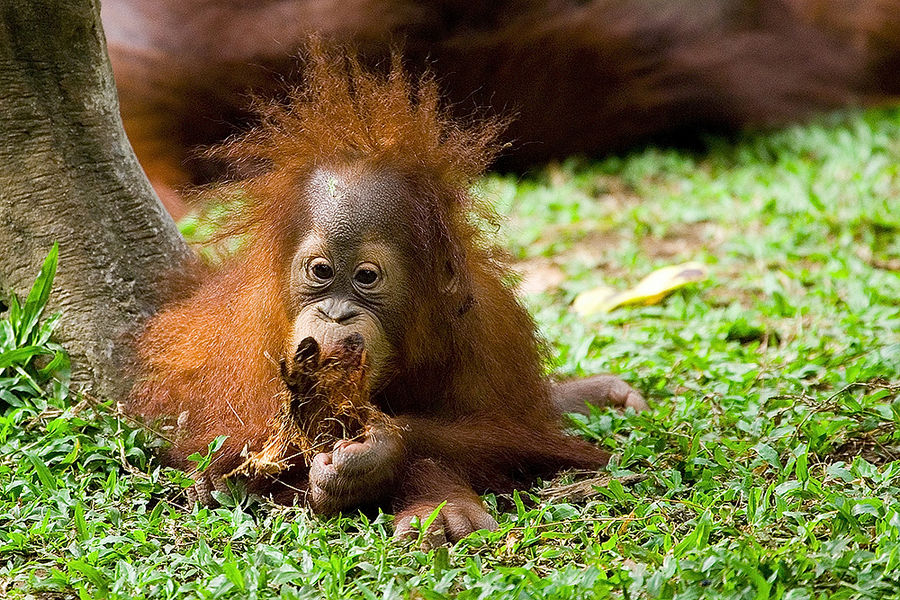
(68, 175)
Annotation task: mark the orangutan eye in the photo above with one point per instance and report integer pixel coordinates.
(320, 270)
(367, 275)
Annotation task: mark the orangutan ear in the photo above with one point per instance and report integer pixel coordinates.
(458, 289)
(451, 282)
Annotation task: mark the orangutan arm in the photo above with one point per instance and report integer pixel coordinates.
(482, 451)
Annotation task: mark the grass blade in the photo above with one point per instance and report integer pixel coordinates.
(37, 297)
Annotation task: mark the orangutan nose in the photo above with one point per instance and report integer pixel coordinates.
(338, 311)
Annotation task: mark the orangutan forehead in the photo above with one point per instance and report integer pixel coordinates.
(352, 204)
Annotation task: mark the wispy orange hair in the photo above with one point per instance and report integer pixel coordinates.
(343, 111)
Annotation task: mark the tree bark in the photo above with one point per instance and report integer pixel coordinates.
(68, 175)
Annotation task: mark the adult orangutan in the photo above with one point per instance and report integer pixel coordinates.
(361, 230)
(582, 76)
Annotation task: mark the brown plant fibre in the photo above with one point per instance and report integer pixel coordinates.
(326, 399)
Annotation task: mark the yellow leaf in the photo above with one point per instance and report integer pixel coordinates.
(650, 290)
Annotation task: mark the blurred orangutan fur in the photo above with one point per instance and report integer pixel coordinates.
(581, 76)
(361, 348)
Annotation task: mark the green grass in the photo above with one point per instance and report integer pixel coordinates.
(768, 467)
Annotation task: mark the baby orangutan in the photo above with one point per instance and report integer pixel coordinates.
(361, 349)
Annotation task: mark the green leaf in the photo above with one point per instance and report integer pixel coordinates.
(37, 297)
(441, 561)
(60, 362)
(81, 528)
(46, 329)
(366, 592)
(15, 312)
(90, 573)
(46, 478)
(21, 356)
(434, 515)
(234, 575)
(203, 462)
(768, 454)
(800, 468)
(7, 336)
